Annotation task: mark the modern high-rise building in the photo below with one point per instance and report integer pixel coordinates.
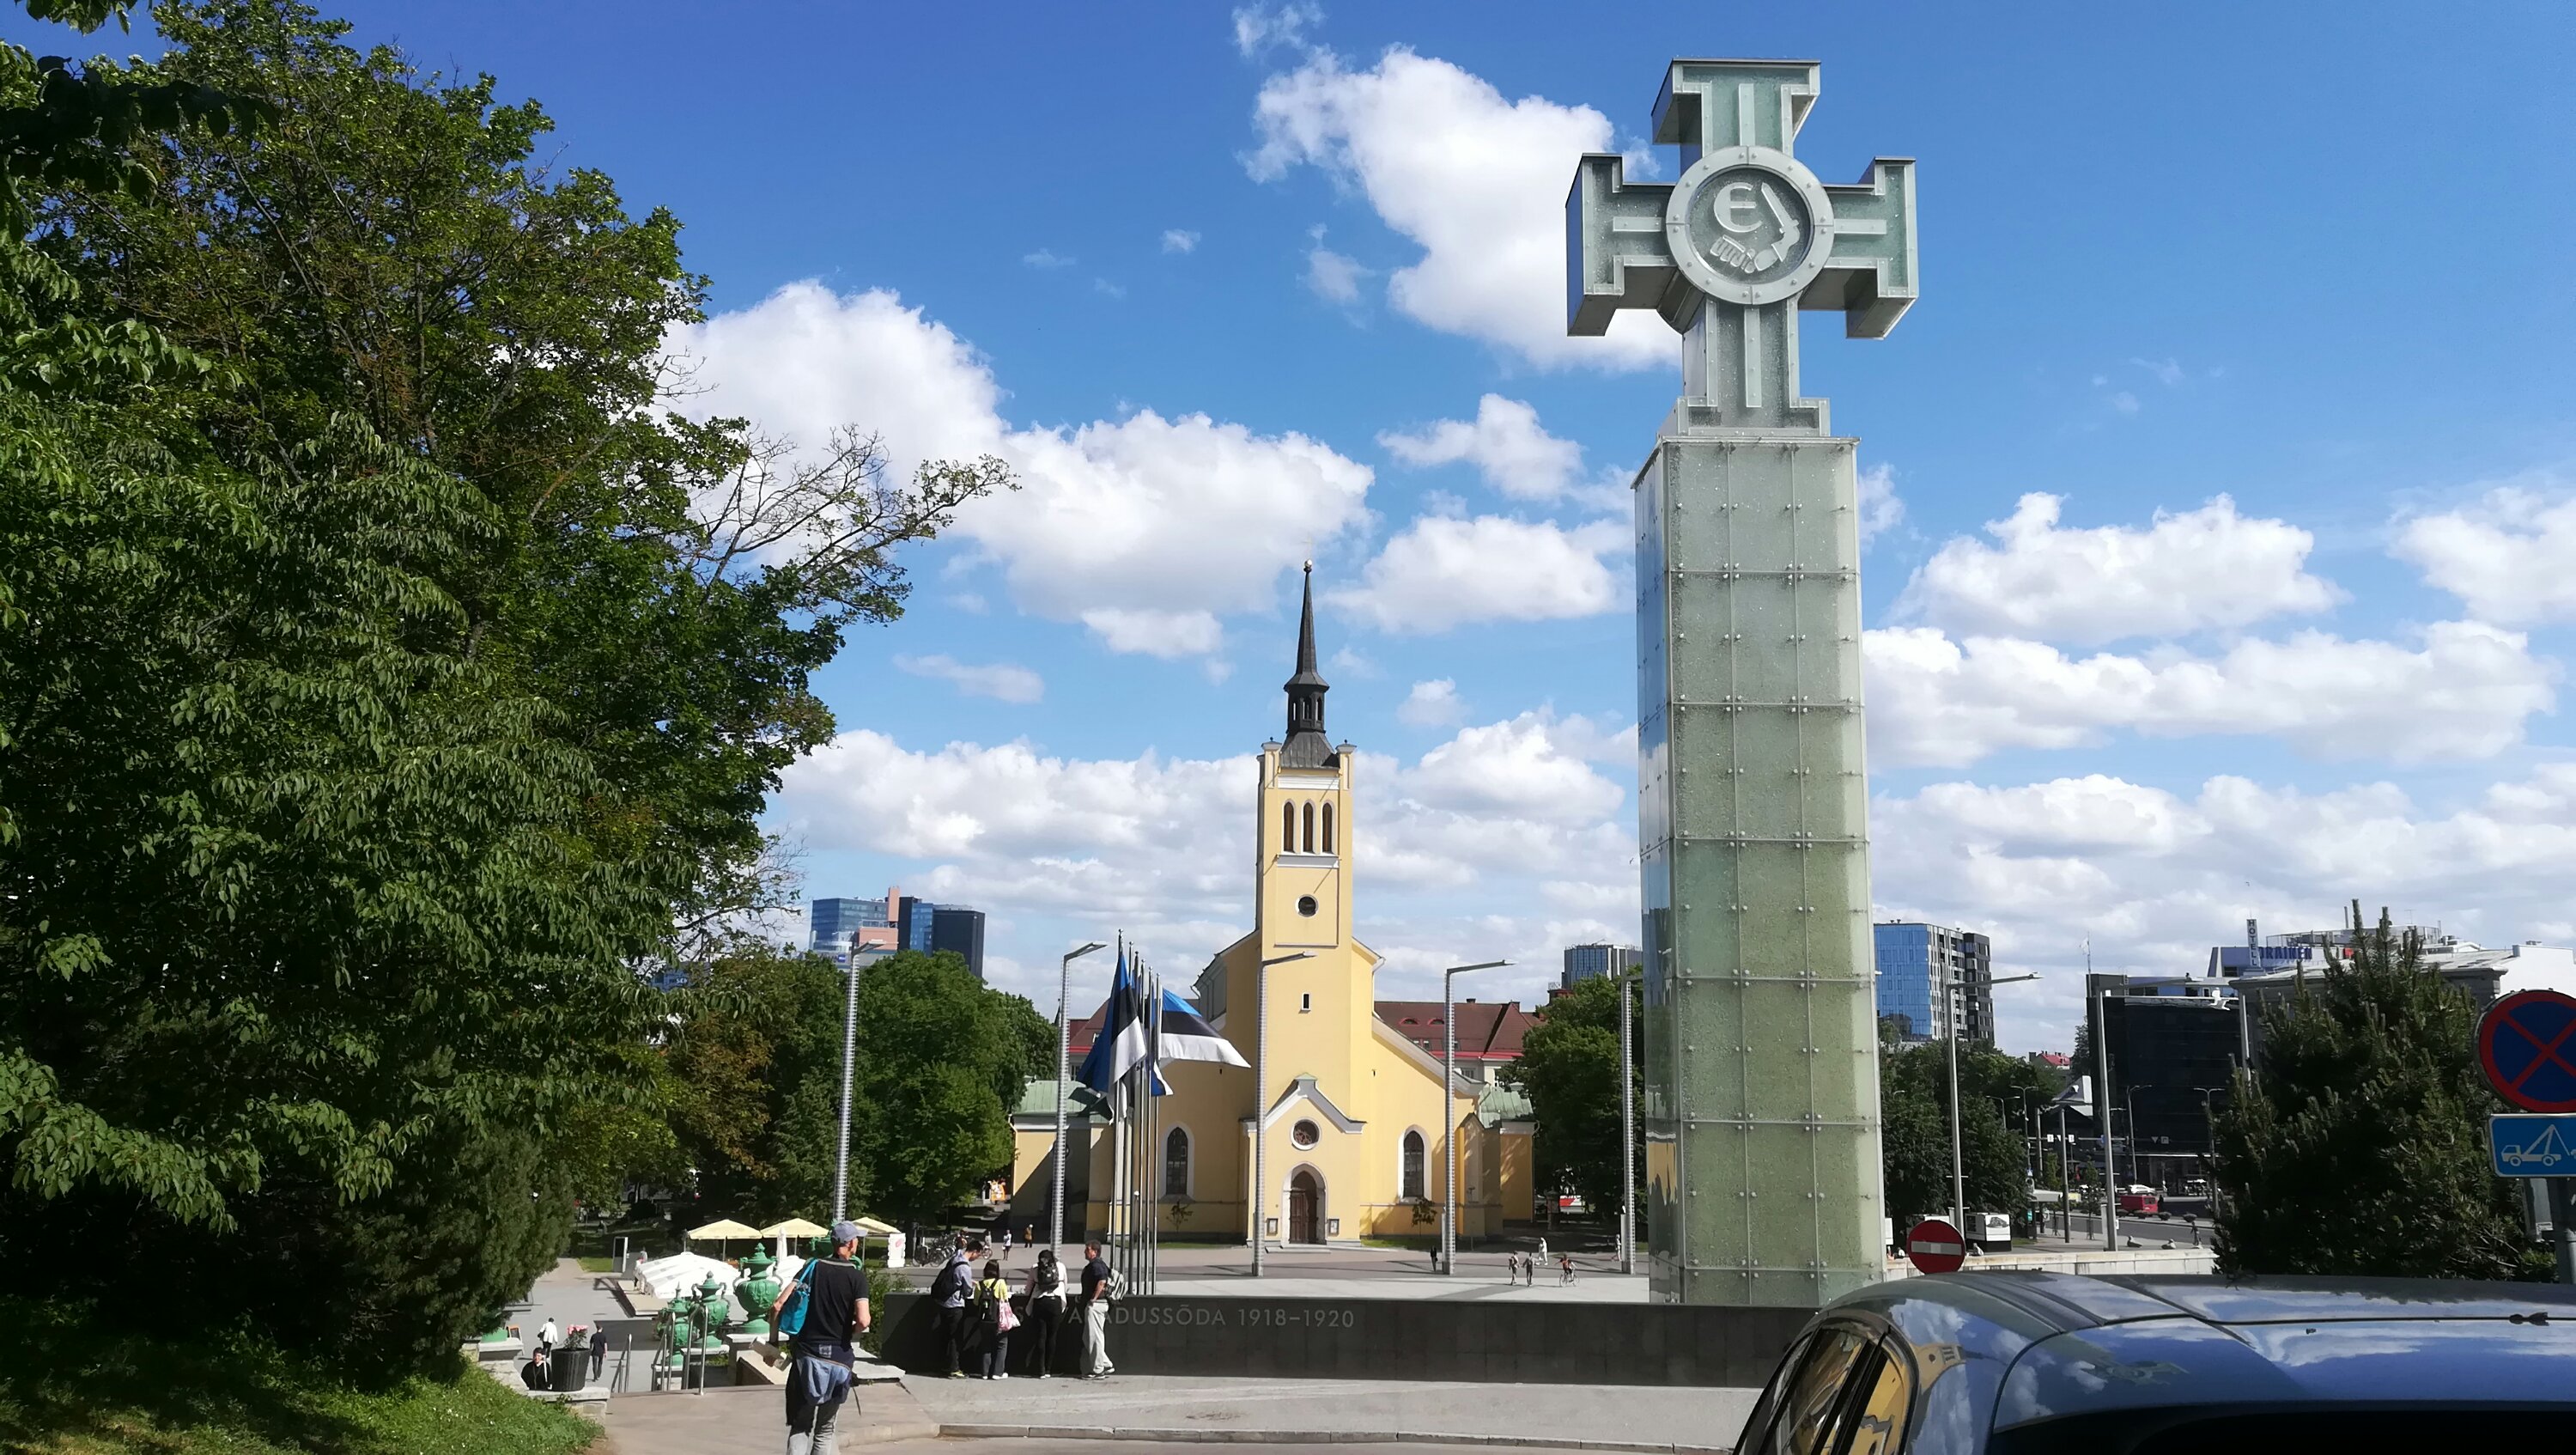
(1585, 962)
(1936, 981)
(959, 930)
(836, 923)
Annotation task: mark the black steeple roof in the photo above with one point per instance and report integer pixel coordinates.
(1307, 747)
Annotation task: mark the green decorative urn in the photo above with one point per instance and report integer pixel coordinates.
(758, 1291)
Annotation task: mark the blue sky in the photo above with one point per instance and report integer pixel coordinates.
(1214, 280)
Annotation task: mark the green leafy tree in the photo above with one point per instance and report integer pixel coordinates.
(936, 1053)
(1914, 1136)
(755, 1068)
(390, 679)
(1569, 1069)
(2359, 1148)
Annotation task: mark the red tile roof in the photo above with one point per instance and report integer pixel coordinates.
(1488, 1030)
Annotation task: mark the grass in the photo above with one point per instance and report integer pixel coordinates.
(70, 1385)
(602, 1264)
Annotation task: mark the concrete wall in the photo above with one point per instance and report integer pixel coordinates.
(1528, 1343)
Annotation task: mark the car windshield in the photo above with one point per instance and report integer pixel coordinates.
(2346, 1430)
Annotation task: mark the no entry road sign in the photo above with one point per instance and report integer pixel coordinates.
(2527, 1046)
(1935, 1247)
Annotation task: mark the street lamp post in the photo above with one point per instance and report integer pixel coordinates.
(1449, 1109)
(1063, 1069)
(1958, 1163)
(1627, 1134)
(2096, 986)
(849, 1057)
(1256, 1206)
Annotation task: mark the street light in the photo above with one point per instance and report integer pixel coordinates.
(1958, 1165)
(1448, 1109)
(1627, 1130)
(1063, 1055)
(1259, 1204)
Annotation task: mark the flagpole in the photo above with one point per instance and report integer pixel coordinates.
(1114, 1202)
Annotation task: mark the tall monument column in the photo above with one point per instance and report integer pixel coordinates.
(1761, 1054)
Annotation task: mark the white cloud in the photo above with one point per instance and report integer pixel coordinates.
(2125, 402)
(1157, 633)
(1107, 289)
(2508, 557)
(1002, 681)
(1334, 277)
(1149, 529)
(2154, 878)
(1180, 240)
(1046, 260)
(2186, 572)
(2168, 372)
(1442, 572)
(1431, 704)
(1880, 508)
(1505, 443)
(1451, 851)
(1259, 27)
(1476, 180)
(2465, 693)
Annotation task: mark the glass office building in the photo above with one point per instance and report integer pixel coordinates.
(1932, 979)
(1586, 962)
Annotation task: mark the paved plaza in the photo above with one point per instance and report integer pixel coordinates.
(1205, 1271)
(1073, 1416)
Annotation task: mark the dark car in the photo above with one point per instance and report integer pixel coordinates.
(2022, 1363)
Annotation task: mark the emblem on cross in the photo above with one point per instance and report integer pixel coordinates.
(1748, 229)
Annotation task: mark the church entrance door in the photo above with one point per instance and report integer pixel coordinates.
(1305, 1208)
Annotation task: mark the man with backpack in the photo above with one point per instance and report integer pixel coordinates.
(830, 1316)
(950, 1293)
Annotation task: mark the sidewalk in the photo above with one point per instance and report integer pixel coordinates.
(1648, 1417)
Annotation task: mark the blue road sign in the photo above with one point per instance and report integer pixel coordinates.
(2532, 1146)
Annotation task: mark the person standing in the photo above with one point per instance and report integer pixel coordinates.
(994, 1322)
(1046, 1311)
(950, 1293)
(836, 1314)
(1099, 1286)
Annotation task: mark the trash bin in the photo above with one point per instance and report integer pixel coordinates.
(569, 1367)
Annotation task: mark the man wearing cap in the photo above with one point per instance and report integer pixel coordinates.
(836, 1313)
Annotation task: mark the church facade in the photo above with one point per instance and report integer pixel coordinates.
(1346, 1116)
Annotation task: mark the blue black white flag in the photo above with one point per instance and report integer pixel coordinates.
(1187, 1036)
(1123, 1040)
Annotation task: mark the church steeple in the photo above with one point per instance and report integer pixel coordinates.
(1307, 747)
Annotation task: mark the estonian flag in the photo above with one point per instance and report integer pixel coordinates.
(1122, 1041)
(1186, 1035)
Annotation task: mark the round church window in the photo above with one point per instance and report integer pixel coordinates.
(1305, 1134)
(1306, 906)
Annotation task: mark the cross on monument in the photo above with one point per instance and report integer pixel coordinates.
(1747, 235)
(1762, 1164)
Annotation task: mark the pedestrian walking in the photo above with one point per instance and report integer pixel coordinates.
(1099, 1286)
(547, 1337)
(949, 1293)
(1006, 1242)
(1564, 1268)
(1046, 1311)
(825, 1345)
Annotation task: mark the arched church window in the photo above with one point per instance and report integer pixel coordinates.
(1176, 1164)
(1310, 828)
(1287, 828)
(1411, 1181)
(1328, 828)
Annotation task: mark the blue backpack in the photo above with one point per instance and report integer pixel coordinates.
(791, 1320)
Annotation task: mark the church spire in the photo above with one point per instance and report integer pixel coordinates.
(1307, 746)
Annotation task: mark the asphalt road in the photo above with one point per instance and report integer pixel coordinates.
(2149, 1231)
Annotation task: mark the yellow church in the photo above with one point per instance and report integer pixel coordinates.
(1348, 1114)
